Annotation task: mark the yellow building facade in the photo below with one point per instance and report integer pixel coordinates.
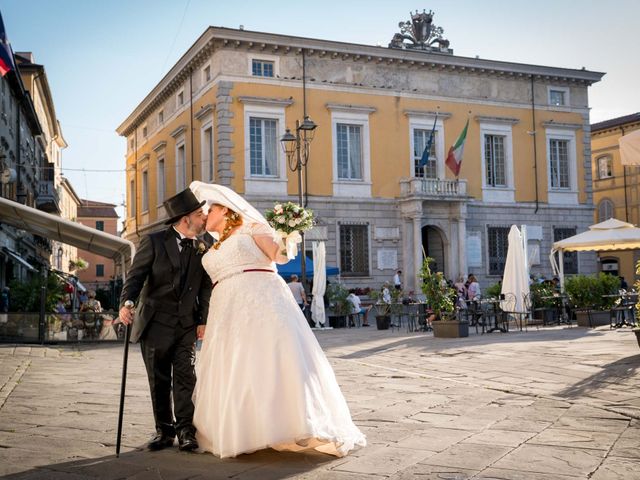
(616, 189)
(219, 114)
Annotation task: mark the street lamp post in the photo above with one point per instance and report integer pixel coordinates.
(296, 148)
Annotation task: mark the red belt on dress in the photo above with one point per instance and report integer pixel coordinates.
(249, 270)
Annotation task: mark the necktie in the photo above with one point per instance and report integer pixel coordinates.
(186, 245)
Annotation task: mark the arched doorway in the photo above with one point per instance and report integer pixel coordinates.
(433, 245)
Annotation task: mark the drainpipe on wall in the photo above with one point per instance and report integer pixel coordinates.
(624, 176)
(535, 148)
(193, 173)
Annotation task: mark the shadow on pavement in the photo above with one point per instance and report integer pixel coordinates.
(611, 374)
(170, 463)
(435, 345)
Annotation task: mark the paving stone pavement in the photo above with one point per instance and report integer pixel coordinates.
(549, 404)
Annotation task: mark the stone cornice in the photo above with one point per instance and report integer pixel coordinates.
(502, 120)
(204, 111)
(159, 146)
(181, 129)
(227, 38)
(427, 113)
(144, 158)
(568, 126)
(279, 102)
(339, 107)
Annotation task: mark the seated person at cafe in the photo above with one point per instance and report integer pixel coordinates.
(356, 307)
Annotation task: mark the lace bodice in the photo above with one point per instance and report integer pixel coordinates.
(237, 253)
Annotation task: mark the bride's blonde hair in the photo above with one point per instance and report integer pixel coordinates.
(231, 220)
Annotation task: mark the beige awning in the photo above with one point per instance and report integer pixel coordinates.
(611, 234)
(65, 231)
(630, 148)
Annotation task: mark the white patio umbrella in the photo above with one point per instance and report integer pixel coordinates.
(515, 279)
(319, 283)
(630, 148)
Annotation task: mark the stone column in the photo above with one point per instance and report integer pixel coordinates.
(462, 240)
(417, 251)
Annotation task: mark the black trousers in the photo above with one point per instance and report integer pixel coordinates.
(169, 356)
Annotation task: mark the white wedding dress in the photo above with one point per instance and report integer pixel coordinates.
(262, 378)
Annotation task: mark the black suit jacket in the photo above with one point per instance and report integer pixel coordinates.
(154, 279)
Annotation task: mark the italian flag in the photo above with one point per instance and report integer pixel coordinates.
(454, 158)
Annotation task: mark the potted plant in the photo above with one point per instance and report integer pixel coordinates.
(592, 296)
(383, 308)
(337, 295)
(543, 302)
(441, 298)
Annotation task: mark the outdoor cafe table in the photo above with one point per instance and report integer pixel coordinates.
(559, 304)
(624, 308)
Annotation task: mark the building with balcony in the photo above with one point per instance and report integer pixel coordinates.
(219, 113)
(22, 161)
(616, 188)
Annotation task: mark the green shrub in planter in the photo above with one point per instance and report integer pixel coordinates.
(586, 291)
(440, 297)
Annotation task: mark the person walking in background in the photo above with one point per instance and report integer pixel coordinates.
(397, 281)
(298, 292)
(473, 291)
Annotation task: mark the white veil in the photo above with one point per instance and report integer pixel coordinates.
(213, 194)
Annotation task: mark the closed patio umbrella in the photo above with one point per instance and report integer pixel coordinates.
(319, 283)
(515, 279)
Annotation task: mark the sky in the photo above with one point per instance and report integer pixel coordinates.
(102, 57)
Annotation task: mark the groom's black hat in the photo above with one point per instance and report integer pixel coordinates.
(181, 205)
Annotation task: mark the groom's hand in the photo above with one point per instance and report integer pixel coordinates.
(200, 332)
(126, 315)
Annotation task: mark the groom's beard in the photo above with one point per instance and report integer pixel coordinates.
(197, 229)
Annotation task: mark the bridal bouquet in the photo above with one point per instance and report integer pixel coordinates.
(289, 219)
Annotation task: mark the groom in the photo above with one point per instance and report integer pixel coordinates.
(172, 292)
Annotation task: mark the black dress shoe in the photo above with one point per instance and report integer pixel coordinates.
(161, 440)
(187, 440)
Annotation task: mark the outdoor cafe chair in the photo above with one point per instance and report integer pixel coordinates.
(509, 305)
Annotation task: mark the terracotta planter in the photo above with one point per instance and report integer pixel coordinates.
(450, 329)
(383, 322)
(598, 318)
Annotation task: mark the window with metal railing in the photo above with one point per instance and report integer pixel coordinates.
(354, 250)
(570, 258)
(498, 244)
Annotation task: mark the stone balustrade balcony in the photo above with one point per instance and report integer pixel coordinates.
(48, 199)
(433, 188)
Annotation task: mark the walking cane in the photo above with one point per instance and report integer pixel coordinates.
(127, 335)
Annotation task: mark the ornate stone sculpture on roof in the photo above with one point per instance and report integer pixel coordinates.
(422, 34)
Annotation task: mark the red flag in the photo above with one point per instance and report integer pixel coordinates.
(6, 54)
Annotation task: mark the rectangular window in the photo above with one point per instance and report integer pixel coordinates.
(557, 97)
(161, 117)
(494, 160)
(161, 180)
(180, 98)
(498, 244)
(132, 198)
(261, 68)
(206, 73)
(604, 167)
(420, 141)
(263, 145)
(144, 131)
(349, 146)
(99, 270)
(559, 163)
(100, 225)
(354, 250)
(145, 191)
(570, 258)
(181, 168)
(207, 154)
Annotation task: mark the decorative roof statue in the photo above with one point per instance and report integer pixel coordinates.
(421, 33)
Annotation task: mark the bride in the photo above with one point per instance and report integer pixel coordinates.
(262, 378)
